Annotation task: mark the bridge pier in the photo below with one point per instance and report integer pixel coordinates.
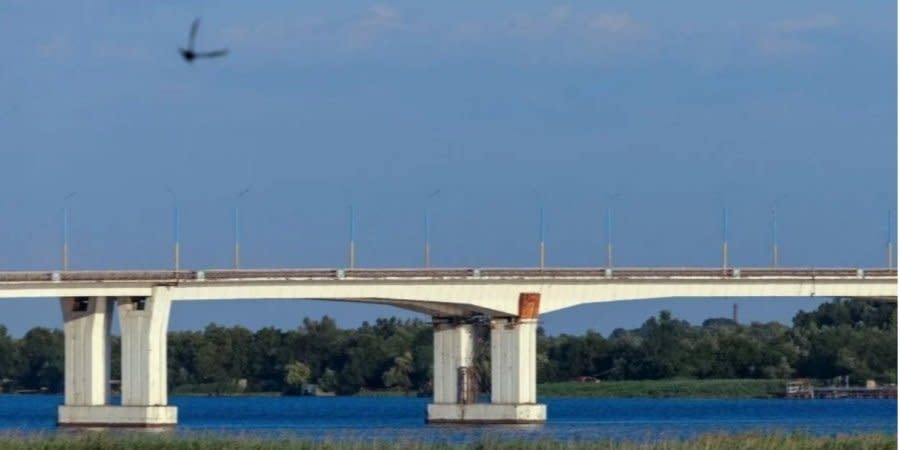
(454, 344)
(513, 371)
(86, 323)
(143, 322)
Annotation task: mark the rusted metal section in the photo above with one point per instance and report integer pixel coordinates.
(529, 305)
(671, 272)
(468, 385)
(810, 273)
(226, 274)
(880, 272)
(25, 276)
(546, 272)
(151, 275)
(408, 273)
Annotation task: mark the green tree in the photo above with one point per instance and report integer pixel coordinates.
(9, 357)
(296, 374)
(269, 356)
(398, 375)
(328, 381)
(42, 353)
(223, 356)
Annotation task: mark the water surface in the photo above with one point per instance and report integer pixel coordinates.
(370, 418)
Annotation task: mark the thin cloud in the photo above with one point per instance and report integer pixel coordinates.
(281, 31)
(378, 20)
(613, 23)
(552, 21)
(563, 21)
(55, 47)
(786, 37)
(359, 31)
(812, 23)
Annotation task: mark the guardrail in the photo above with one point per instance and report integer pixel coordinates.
(616, 273)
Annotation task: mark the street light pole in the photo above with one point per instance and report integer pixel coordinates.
(609, 229)
(65, 230)
(237, 227)
(541, 237)
(775, 249)
(176, 231)
(352, 238)
(609, 237)
(890, 239)
(428, 228)
(724, 238)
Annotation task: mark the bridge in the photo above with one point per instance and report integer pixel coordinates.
(509, 298)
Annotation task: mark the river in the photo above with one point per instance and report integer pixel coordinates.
(368, 418)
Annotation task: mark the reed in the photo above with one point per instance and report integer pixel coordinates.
(121, 440)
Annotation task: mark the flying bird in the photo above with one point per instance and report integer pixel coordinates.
(189, 54)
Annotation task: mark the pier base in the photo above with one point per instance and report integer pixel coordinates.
(118, 416)
(487, 413)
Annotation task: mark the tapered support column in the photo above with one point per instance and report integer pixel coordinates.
(454, 381)
(513, 361)
(514, 371)
(513, 374)
(86, 323)
(453, 356)
(143, 322)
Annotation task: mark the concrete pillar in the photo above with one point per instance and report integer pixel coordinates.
(513, 361)
(513, 374)
(454, 345)
(144, 323)
(86, 324)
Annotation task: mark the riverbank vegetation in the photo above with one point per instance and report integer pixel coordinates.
(757, 441)
(690, 388)
(844, 337)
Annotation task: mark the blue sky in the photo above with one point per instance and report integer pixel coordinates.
(678, 109)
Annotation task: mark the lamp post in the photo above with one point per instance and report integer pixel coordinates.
(724, 238)
(775, 247)
(237, 227)
(352, 255)
(609, 229)
(542, 248)
(890, 239)
(428, 227)
(176, 231)
(65, 231)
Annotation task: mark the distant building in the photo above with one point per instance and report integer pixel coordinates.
(799, 388)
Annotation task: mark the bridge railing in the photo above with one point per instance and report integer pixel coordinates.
(168, 276)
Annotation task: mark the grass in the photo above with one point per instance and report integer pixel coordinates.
(110, 441)
(667, 389)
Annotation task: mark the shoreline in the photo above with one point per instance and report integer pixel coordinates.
(645, 389)
(659, 389)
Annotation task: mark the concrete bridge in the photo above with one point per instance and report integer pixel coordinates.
(455, 298)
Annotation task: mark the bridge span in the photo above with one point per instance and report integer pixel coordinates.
(510, 298)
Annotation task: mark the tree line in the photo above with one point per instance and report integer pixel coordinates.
(844, 337)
